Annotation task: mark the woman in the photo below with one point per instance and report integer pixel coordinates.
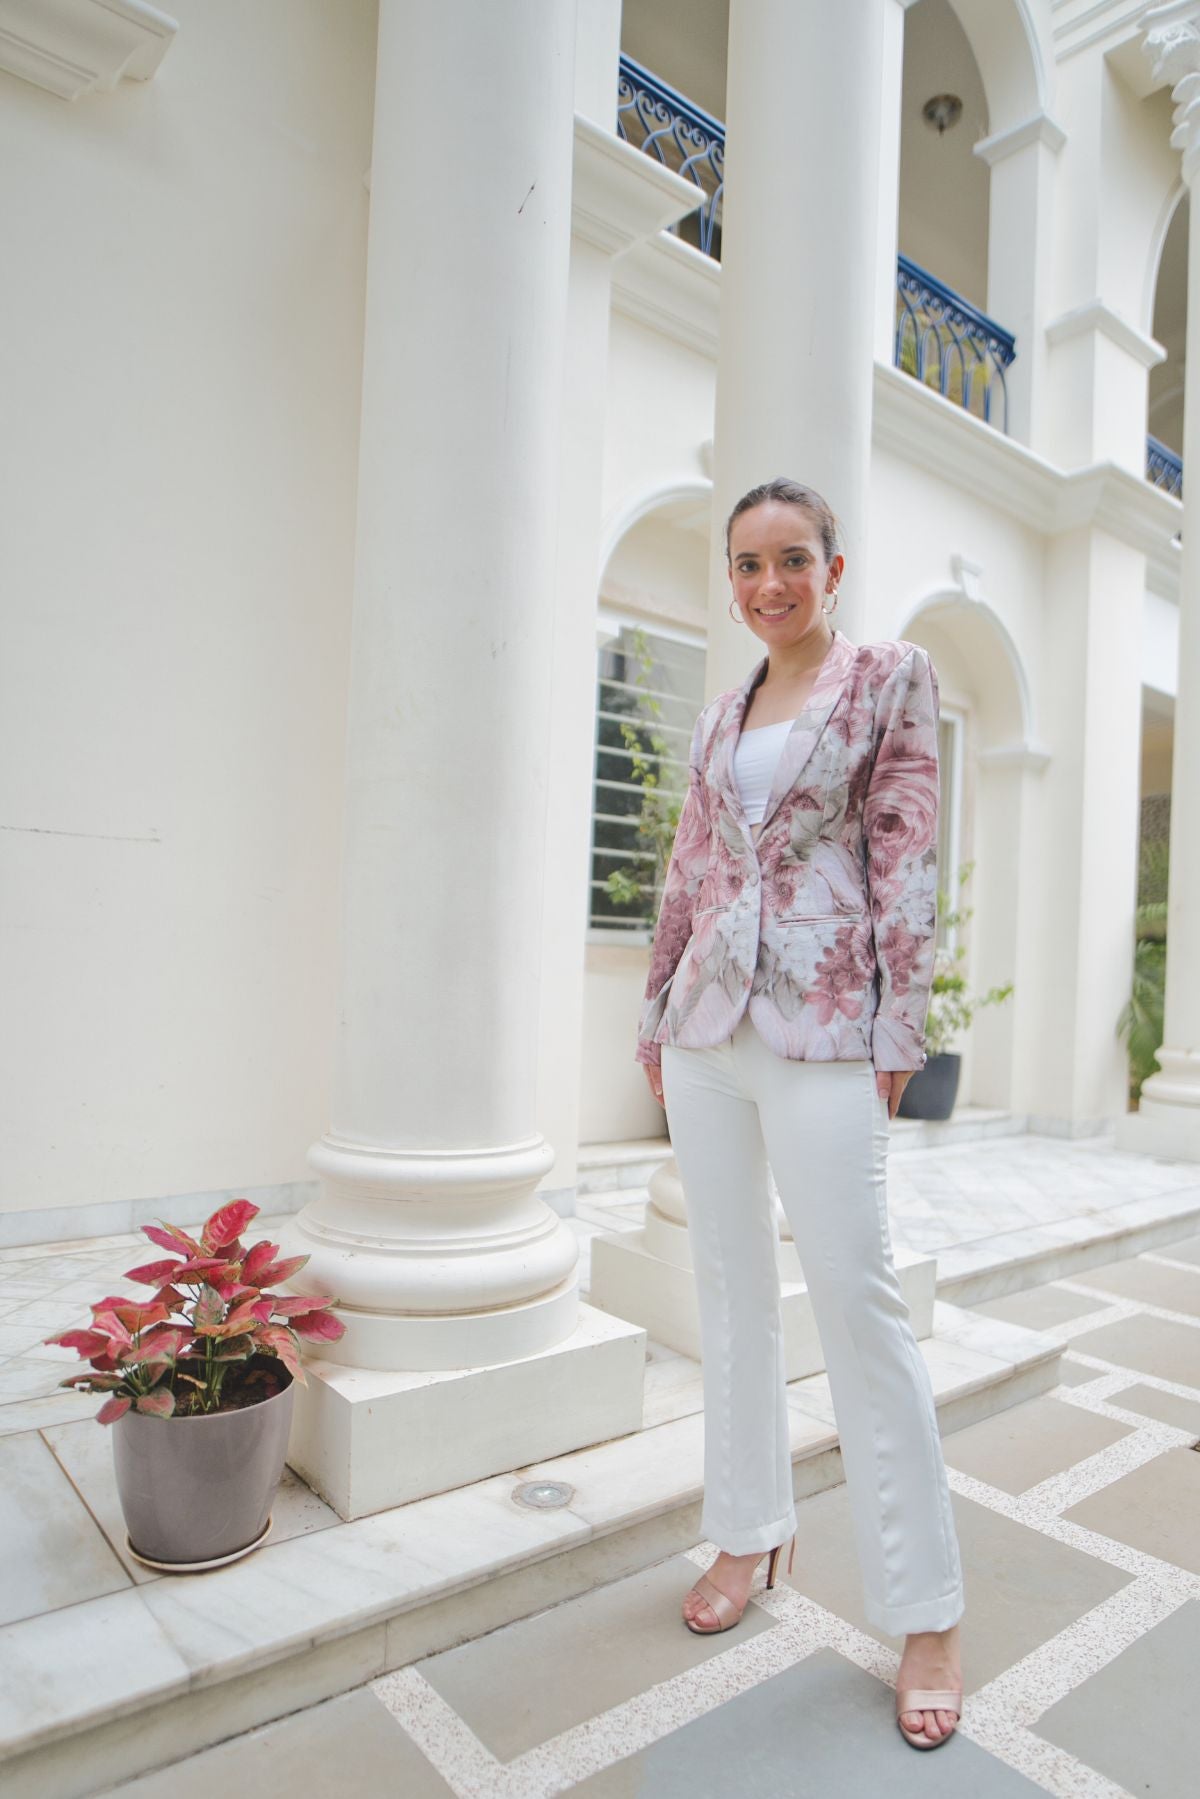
(784, 1014)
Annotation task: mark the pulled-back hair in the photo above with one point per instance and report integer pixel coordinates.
(791, 493)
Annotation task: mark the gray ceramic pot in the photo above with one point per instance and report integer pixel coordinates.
(197, 1489)
(933, 1089)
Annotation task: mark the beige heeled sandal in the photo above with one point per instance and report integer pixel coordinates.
(727, 1612)
(916, 1699)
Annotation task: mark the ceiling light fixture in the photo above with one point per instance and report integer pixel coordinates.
(943, 111)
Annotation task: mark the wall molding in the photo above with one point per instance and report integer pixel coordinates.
(75, 47)
(1094, 315)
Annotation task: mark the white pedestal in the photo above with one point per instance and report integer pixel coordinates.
(1161, 1130)
(367, 1441)
(632, 1279)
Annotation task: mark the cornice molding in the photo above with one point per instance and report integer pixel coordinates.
(1024, 756)
(937, 435)
(1094, 315)
(1171, 41)
(619, 196)
(1040, 129)
(75, 47)
(673, 288)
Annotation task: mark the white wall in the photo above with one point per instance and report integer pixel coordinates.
(183, 280)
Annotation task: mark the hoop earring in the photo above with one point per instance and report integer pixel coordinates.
(736, 616)
(830, 610)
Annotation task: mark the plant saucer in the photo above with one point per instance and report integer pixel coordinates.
(220, 1561)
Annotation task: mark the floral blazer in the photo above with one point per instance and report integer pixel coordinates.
(824, 928)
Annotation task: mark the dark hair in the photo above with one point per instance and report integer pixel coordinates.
(791, 493)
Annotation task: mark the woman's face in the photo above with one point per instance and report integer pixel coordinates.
(780, 577)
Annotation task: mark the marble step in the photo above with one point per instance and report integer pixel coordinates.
(136, 1677)
(605, 1168)
(1010, 1261)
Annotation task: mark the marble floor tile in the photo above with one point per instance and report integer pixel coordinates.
(821, 1727)
(1168, 1408)
(51, 1552)
(348, 1745)
(521, 1685)
(83, 1662)
(1136, 1720)
(27, 1378)
(1021, 1587)
(62, 1406)
(1155, 1508)
(1148, 1346)
(1019, 1448)
(16, 1339)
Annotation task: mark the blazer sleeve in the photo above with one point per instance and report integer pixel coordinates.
(900, 825)
(685, 873)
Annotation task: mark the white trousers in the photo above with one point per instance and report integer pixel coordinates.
(824, 1129)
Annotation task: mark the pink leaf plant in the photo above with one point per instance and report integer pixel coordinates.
(210, 1312)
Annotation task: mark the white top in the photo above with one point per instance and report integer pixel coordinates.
(754, 762)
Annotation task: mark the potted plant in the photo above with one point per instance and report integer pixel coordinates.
(932, 1091)
(1141, 1021)
(200, 1385)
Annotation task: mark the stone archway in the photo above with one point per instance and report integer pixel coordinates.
(983, 680)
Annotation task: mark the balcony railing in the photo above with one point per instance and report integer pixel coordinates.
(941, 338)
(653, 117)
(944, 341)
(1163, 467)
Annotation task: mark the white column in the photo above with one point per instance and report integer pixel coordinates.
(621, 198)
(799, 287)
(428, 1229)
(1169, 1117)
(1023, 168)
(801, 305)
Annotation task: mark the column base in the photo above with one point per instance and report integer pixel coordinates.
(632, 1278)
(367, 1441)
(1156, 1129)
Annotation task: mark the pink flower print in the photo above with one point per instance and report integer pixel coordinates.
(840, 978)
(900, 811)
(902, 950)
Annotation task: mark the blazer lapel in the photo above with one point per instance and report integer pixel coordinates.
(801, 740)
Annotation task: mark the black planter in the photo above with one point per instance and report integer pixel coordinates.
(933, 1089)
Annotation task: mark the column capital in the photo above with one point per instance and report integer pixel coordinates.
(1171, 40)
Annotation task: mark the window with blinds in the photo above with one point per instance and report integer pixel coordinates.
(649, 689)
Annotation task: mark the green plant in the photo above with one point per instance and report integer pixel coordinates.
(1141, 1020)
(659, 806)
(210, 1314)
(951, 1007)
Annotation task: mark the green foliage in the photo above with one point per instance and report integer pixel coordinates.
(659, 805)
(1141, 1020)
(951, 1006)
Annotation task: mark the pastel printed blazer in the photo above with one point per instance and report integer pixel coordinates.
(824, 928)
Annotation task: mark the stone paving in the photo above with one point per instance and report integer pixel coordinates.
(1079, 1516)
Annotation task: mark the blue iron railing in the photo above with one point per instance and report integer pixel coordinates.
(949, 344)
(1163, 467)
(653, 117)
(940, 338)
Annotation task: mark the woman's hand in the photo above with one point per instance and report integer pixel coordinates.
(891, 1086)
(654, 1077)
